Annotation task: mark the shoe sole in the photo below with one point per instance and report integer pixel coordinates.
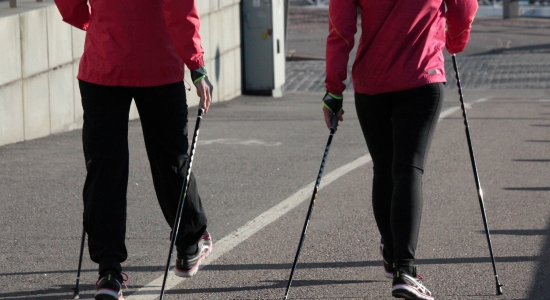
(195, 269)
(106, 294)
(109, 298)
(405, 291)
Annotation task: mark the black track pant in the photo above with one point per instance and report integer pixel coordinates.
(163, 115)
(398, 128)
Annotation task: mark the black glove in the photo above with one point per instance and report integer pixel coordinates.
(333, 102)
(198, 74)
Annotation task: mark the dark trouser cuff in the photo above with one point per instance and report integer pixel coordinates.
(110, 265)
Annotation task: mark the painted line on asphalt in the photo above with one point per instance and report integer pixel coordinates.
(151, 290)
(239, 142)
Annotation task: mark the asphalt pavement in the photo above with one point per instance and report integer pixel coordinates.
(256, 162)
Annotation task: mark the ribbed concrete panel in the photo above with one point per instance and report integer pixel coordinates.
(236, 42)
(226, 3)
(60, 48)
(214, 65)
(36, 106)
(205, 36)
(228, 34)
(10, 49)
(204, 7)
(61, 99)
(215, 5)
(215, 77)
(228, 73)
(216, 32)
(34, 42)
(237, 72)
(11, 113)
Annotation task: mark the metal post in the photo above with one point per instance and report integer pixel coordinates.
(510, 9)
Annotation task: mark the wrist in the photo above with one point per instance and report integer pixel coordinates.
(339, 97)
(333, 102)
(198, 74)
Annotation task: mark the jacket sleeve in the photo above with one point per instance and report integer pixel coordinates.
(460, 15)
(342, 25)
(182, 19)
(74, 12)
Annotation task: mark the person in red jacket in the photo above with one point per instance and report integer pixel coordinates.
(137, 49)
(398, 76)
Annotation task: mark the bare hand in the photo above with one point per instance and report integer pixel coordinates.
(204, 91)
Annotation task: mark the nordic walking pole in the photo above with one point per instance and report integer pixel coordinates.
(334, 122)
(478, 185)
(182, 200)
(76, 289)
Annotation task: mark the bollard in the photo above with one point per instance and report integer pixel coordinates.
(510, 9)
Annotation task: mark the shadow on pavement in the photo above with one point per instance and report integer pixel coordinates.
(318, 265)
(518, 231)
(58, 292)
(545, 48)
(361, 264)
(536, 188)
(532, 160)
(275, 285)
(540, 289)
(129, 269)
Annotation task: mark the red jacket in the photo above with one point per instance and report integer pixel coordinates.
(135, 42)
(401, 42)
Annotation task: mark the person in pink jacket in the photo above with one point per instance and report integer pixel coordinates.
(398, 76)
(136, 50)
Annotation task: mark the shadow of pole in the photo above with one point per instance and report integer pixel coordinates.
(540, 289)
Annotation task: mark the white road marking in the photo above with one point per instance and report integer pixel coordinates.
(451, 110)
(152, 289)
(239, 142)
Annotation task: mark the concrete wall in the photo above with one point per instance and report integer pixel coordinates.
(39, 56)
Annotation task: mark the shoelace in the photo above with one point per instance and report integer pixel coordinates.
(421, 286)
(124, 279)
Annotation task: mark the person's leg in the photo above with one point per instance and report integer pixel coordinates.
(105, 143)
(163, 114)
(374, 113)
(415, 114)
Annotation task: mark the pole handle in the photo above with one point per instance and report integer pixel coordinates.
(334, 121)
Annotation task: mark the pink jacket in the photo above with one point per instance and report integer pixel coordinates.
(135, 42)
(401, 42)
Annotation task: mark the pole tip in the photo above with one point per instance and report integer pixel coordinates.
(499, 289)
(76, 294)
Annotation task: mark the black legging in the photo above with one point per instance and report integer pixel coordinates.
(398, 128)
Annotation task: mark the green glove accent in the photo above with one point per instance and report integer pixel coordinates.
(198, 74)
(333, 102)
